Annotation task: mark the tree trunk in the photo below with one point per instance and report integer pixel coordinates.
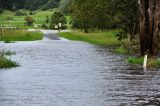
(143, 34)
(156, 29)
(149, 26)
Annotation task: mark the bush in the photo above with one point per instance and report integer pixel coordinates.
(7, 63)
(58, 17)
(1, 10)
(29, 21)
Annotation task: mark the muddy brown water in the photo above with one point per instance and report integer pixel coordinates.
(68, 73)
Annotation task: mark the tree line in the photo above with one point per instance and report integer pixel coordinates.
(104, 14)
(132, 17)
(28, 4)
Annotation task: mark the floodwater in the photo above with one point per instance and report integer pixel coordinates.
(68, 73)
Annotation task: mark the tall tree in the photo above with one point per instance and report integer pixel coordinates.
(149, 15)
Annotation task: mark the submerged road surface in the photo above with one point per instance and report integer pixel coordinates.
(68, 73)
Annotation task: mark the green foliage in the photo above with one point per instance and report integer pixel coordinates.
(8, 18)
(151, 63)
(28, 4)
(135, 60)
(98, 38)
(1, 10)
(56, 18)
(19, 35)
(158, 62)
(7, 63)
(29, 21)
(50, 4)
(64, 4)
(121, 50)
(47, 19)
(104, 14)
(20, 13)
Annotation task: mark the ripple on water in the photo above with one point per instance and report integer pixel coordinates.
(66, 73)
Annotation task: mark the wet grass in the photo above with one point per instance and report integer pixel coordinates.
(7, 63)
(98, 38)
(151, 63)
(135, 60)
(8, 36)
(121, 50)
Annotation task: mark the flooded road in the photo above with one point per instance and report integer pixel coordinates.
(67, 73)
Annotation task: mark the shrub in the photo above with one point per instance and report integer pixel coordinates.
(29, 21)
(1, 10)
(7, 63)
(57, 18)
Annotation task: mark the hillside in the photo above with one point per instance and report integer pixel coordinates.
(28, 4)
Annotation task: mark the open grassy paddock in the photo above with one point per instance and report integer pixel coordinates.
(9, 18)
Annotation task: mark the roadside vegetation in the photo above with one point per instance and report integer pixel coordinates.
(8, 35)
(121, 50)
(99, 38)
(151, 63)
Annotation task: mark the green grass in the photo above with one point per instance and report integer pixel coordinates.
(7, 63)
(121, 50)
(19, 35)
(135, 60)
(151, 63)
(6, 13)
(18, 21)
(98, 38)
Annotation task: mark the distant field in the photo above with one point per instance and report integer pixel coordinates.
(9, 19)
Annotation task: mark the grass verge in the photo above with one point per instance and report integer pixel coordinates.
(98, 38)
(152, 63)
(7, 35)
(121, 50)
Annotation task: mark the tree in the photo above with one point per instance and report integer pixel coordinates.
(57, 17)
(64, 4)
(29, 20)
(47, 19)
(105, 14)
(149, 15)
